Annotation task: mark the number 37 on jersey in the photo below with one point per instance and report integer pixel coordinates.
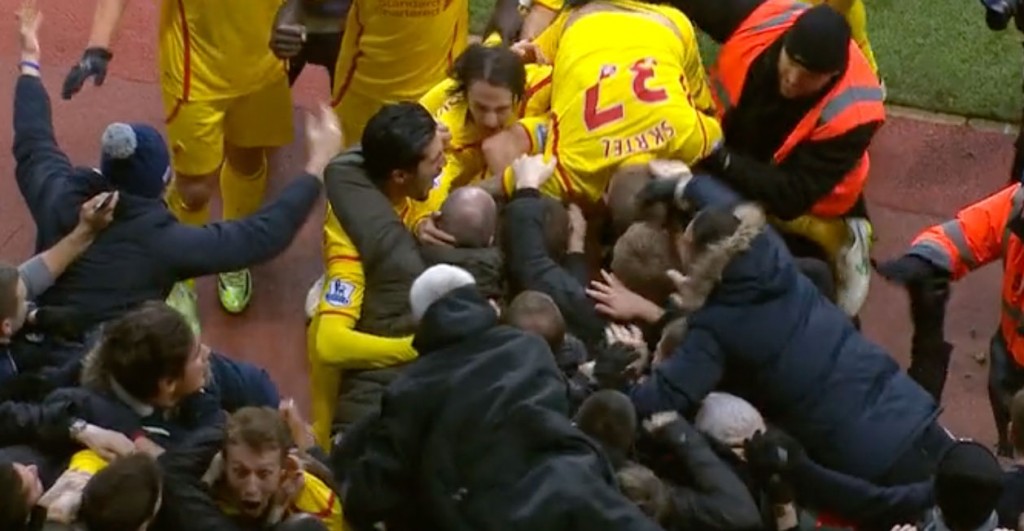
(599, 112)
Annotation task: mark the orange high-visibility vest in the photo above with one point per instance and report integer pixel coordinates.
(855, 100)
(979, 235)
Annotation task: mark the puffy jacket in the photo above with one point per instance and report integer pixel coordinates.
(762, 324)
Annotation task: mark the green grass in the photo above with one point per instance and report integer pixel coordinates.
(479, 12)
(939, 55)
(933, 54)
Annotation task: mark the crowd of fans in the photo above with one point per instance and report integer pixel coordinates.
(572, 280)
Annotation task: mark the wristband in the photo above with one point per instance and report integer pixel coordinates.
(30, 64)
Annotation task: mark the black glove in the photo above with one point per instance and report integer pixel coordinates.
(717, 162)
(908, 269)
(92, 64)
(658, 191)
(288, 35)
(610, 366)
(287, 40)
(676, 433)
(61, 321)
(779, 490)
(771, 453)
(928, 299)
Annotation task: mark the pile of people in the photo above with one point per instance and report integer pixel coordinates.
(570, 281)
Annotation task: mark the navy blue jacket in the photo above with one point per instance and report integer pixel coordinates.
(794, 354)
(145, 250)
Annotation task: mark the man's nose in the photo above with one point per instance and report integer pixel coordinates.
(251, 486)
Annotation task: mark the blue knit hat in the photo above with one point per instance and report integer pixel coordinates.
(135, 159)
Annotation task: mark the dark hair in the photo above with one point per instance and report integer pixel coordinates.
(497, 66)
(14, 507)
(143, 347)
(395, 138)
(9, 278)
(122, 496)
(609, 417)
(712, 225)
(258, 428)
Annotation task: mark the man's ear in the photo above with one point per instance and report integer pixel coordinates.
(292, 464)
(168, 387)
(7, 327)
(399, 177)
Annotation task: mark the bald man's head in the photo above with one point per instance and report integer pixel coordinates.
(470, 215)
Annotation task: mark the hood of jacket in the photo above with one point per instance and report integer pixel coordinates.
(484, 263)
(457, 316)
(740, 268)
(91, 182)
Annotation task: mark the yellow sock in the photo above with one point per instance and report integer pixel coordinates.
(176, 205)
(241, 195)
(858, 19)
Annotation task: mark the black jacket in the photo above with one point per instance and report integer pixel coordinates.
(187, 501)
(531, 268)
(486, 264)
(474, 435)
(706, 493)
(141, 255)
(38, 434)
(784, 347)
(44, 425)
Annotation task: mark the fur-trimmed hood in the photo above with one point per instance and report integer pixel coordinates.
(743, 273)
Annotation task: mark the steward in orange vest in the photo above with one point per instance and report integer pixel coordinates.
(988, 230)
(799, 105)
(798, 102)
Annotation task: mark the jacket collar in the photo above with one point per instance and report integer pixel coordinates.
(140, 408)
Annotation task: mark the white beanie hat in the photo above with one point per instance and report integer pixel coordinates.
(433, 284)
(728, 419)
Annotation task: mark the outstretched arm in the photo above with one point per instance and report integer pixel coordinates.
(97, 54)
(105, 22)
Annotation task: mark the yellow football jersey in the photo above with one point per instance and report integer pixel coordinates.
(217, 49)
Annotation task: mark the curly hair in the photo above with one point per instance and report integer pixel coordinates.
(145, 346)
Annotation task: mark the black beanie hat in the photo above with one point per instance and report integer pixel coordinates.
(819, 40)
(968, 484)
